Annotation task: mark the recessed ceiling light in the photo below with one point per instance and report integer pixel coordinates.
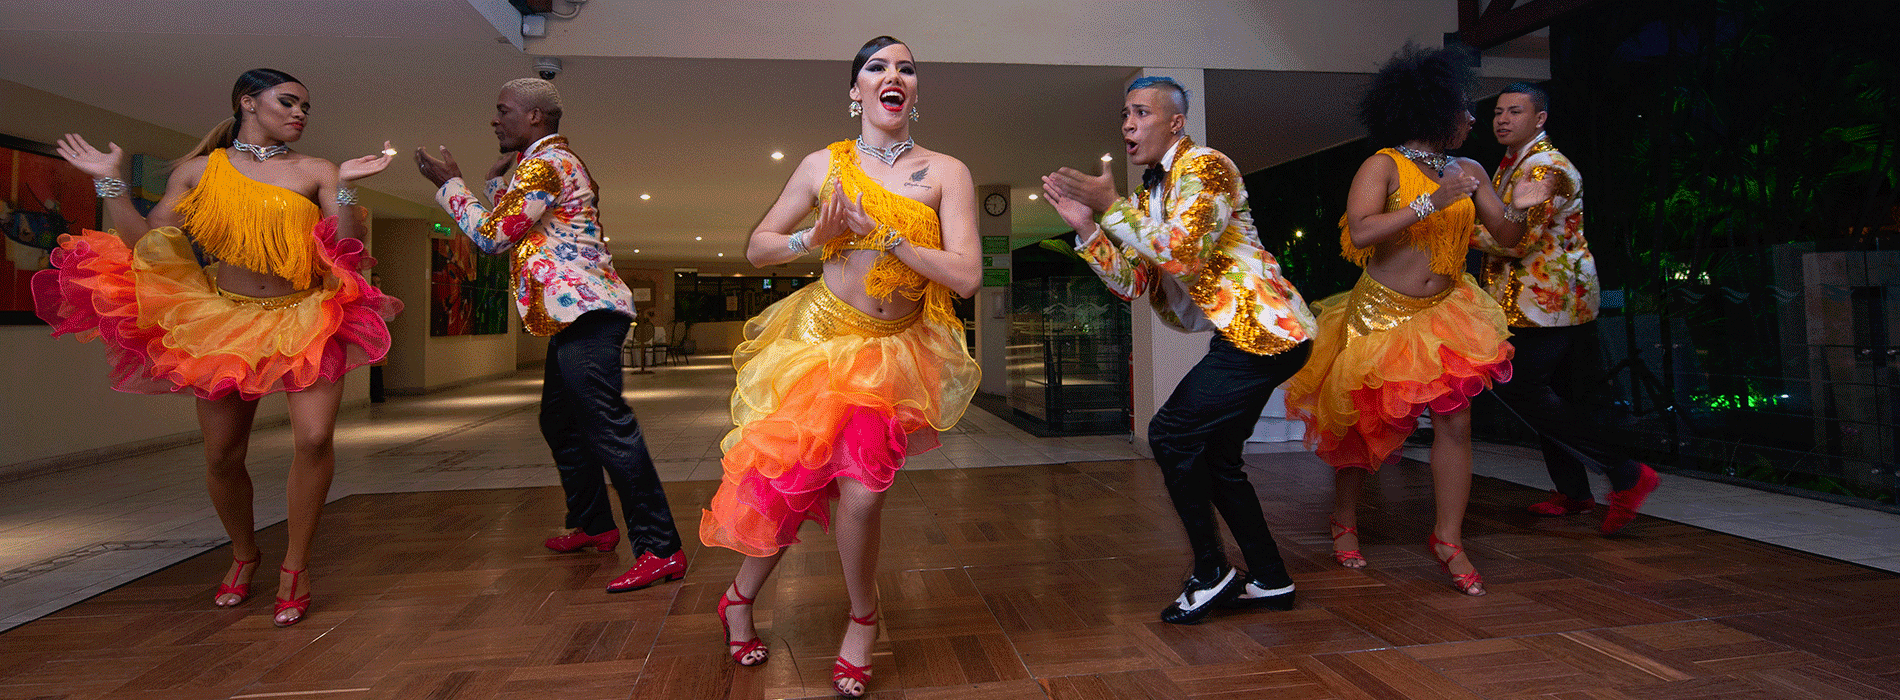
(722, 255)
(696, 238)
(636, 250)
(778, 155)
(1032, 198)
(606, 239)
(646, 196)
(1106, 157)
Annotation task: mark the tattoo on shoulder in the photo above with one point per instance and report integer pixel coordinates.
(917, 178)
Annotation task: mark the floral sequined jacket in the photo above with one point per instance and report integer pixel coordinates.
(1549, 278)
(1200, 256)
(546, 214)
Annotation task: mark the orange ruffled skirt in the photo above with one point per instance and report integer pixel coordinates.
(1380, 358)
(827, 392)
(168, 328)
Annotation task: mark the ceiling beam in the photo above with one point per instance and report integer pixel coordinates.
(1505, 20)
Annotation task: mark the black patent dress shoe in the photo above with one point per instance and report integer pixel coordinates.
(1199, 597)
(1257, 595)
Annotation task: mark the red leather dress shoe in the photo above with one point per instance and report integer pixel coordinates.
(1625, 503)
(578, 540)
(649, 570)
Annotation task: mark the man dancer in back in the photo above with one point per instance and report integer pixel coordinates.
(1188, 237)
(565, 287)
(1547, 284)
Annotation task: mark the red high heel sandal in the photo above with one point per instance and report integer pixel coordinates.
(844, 670)
(1468, 584)
(1345, 557)
(301, 603)
(746, 647)
(241, 590)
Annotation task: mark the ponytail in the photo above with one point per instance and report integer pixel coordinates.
(220, 137)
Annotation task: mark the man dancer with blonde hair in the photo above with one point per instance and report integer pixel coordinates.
(545, 218)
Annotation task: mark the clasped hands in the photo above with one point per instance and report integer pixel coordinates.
(839, 215)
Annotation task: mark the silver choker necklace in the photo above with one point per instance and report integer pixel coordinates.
(888, 156)
(1435, 161)
(262, 153)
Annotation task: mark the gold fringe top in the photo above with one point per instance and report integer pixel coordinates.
(916, 221)
(251, 224)
(1444, 234)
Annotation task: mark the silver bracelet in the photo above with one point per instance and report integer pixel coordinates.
(797, 242)
(346, 196)
(896, 239)
(1516, 215)
(1423, 206)
(108, 187)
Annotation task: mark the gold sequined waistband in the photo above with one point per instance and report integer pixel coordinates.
(1374, 307)
(270, 303)
(824, 316)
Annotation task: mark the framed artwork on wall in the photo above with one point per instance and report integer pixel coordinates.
(41, 198)
(468, 291)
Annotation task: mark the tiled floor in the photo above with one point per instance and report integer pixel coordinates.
(70, 535)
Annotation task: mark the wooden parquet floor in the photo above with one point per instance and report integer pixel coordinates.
(1009, 582)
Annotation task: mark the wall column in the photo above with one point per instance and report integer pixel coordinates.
(992, 303)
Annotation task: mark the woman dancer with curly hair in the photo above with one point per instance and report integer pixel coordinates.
(1415, 332)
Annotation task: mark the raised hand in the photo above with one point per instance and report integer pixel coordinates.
(358, 168)
(1530, 193)
(1097, 192)
(1457, 183)
(501, 166)
(1076, 214)
(89, 160)
(438, 170)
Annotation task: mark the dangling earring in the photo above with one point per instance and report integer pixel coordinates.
(857, 109)
(913, 112)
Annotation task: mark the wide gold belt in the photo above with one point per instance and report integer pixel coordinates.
(269, 303)
(1374, 307)
(824, 316)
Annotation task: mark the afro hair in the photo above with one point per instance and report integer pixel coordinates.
(1418, 94)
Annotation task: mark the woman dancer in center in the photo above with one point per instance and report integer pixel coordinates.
(842, 380)
(1415, 332)
(281, 306)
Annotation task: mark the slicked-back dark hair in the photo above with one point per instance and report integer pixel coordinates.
(1539, 98)
(864, 54)
(1418, 94)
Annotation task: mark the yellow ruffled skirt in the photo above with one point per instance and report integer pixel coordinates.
(827, 392)
(1380, 358)
(168, 327)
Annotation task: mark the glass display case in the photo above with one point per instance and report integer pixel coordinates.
(1069, 343)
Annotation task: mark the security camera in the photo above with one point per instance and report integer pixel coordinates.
(547, 67)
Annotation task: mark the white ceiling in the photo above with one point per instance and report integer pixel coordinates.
(695, 133)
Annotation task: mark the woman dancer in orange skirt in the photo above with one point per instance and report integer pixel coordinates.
(842, 380)
(280, 305)
(1415, 332)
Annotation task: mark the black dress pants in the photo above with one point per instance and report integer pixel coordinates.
(590, 429)
(1197, 438)
(1543, 393)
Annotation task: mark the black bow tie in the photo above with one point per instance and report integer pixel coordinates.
(1151, 178)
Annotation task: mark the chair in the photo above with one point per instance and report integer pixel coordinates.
(676, 351)
(639, 343)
